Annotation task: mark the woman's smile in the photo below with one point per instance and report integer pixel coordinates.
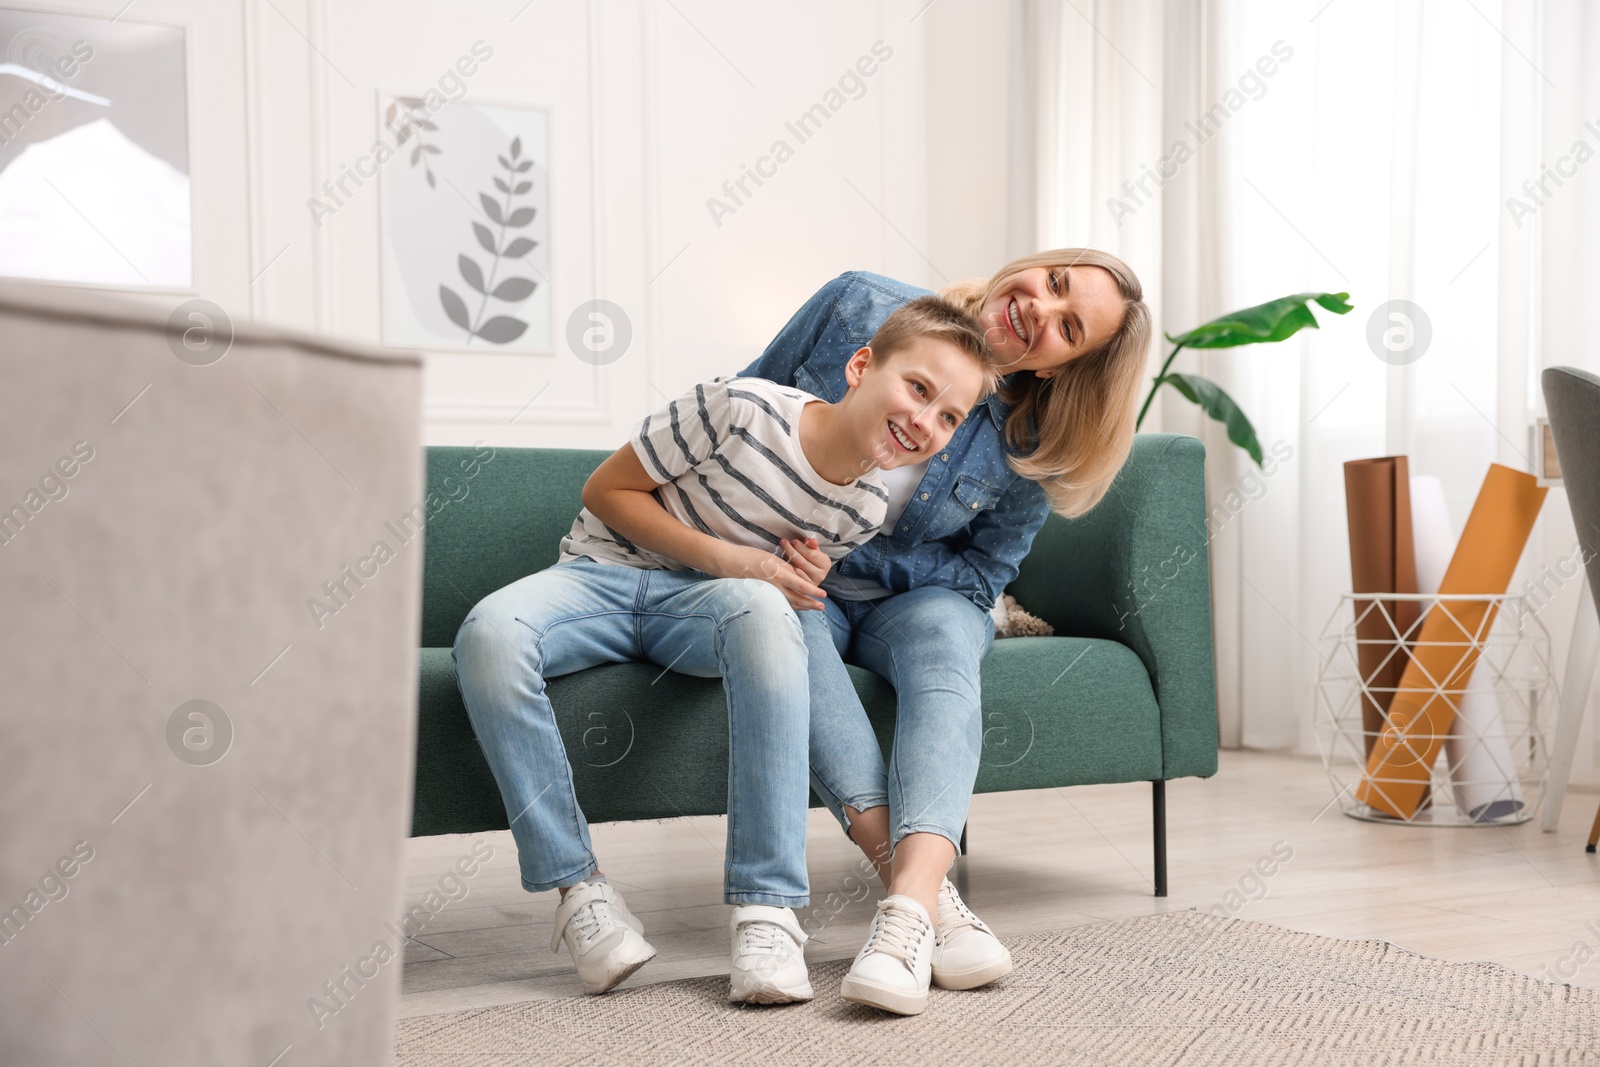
(1014, 319)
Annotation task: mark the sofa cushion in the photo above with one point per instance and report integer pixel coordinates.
(648, 744)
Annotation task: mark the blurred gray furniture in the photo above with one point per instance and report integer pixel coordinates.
(1572, 397)
(180, 884)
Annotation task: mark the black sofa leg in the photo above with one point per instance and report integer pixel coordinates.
(1158, 797)
(961, 850)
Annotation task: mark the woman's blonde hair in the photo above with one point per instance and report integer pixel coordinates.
(1071, 433)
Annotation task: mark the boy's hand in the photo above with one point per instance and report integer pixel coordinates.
(812, 563)
(739, 561)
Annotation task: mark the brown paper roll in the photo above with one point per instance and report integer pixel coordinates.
(1377, 495)
(1419, 716)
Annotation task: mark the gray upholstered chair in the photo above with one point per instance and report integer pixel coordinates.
(178, 883)
(1572, 397)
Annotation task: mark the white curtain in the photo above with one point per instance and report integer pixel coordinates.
(1234, 151)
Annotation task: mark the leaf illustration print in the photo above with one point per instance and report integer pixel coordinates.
(497, 329)
(412, 124)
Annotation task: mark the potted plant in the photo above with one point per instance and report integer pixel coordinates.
(1276, 320)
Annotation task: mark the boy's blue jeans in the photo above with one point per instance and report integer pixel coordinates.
(582, 613)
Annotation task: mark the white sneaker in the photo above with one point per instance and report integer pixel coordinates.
(605, 939)
(893, 968)
(966, 953)
(769, 962)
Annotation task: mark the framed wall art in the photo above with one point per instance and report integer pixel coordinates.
(465, 226)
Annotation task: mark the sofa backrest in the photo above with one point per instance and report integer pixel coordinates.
(1086, 576)
(497, 515)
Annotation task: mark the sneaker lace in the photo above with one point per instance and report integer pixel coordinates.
(593, 919)
(898, 933)
(589, 922)
(763, 937)
(954, 914)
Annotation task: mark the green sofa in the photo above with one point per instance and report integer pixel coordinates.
(1126, 691)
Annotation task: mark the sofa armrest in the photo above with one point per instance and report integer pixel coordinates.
(1135, 570)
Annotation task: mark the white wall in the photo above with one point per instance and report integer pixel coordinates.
(652, 107)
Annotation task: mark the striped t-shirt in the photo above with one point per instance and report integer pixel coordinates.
(728, 459)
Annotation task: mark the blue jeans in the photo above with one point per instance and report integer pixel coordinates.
(582, 613)
(927, 643)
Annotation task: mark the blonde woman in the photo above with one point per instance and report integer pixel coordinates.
(912, 604)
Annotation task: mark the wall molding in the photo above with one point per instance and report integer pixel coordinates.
(473, 411)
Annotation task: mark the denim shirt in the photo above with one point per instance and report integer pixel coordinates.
(972, 519)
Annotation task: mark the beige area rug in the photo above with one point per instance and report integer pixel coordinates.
(1183, 988)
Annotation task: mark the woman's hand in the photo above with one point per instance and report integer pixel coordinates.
(741, 561)
(806, 558)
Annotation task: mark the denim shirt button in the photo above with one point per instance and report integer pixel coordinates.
(945, 458)
(974, 507)
(924, 496)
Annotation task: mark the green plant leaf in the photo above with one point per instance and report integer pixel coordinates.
(1220, 406)
(1264, 323)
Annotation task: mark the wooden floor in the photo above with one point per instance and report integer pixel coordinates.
(1052, 859)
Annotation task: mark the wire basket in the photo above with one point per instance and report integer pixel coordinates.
(1492, 765)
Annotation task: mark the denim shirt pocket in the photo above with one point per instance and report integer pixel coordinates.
(811, 382)
(970, 497)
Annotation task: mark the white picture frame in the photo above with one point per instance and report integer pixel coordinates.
(95, 179)
(464, 223)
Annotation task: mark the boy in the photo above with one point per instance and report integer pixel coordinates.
(743, 480)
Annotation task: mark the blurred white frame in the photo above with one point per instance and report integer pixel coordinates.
(94, 152)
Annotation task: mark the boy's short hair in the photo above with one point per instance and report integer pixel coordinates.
(933, 316)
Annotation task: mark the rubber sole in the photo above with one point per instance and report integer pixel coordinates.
(770, 994)
(617, 977)
(873, 995)
(973, 977)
